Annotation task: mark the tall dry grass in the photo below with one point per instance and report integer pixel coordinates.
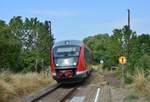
(141, 83)
(18, 85)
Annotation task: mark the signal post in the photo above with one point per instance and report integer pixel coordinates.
(122, 61)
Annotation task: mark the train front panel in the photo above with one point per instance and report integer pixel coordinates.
(68, 63)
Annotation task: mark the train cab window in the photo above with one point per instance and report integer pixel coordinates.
(64, 62)
(66, 51)
(66, 56)
(87, 55)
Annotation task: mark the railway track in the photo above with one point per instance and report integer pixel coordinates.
(73, 94)
(82, 92)
(42, 93)
(53, 93)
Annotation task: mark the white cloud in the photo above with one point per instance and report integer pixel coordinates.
(139, 25)
(140, 22)
(54, 13)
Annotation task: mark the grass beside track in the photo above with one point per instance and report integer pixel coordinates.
(138, 90)
(15, 86)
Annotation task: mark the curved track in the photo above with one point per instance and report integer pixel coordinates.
(81, 92)
(53, 93)
(42, 93)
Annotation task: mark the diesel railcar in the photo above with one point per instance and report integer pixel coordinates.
(70, 61)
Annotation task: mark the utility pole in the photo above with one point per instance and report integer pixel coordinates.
(129, 18)
(129, 35)
(122, 59)
(50, 29)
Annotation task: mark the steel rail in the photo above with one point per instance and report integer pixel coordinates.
(69, 94)
(42, 93)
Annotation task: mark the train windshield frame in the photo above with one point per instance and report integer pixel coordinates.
(66, 56)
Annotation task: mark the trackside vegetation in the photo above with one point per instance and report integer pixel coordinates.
(123, 41)
(25, 44)
(135, 47)
(15, 86)
(24, 54)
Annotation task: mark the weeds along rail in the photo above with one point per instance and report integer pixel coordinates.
(69, 94)
(42, 93)
(62, 94)
(54, 93)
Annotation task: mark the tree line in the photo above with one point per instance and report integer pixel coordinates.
(25, 44)
(123, 41)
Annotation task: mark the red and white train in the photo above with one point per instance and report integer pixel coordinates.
(70, 61)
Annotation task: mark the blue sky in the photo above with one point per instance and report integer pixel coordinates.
(77, 19)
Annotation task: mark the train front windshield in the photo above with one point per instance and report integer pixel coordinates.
(66, 56)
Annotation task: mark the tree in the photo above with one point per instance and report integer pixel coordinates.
(37, 42)
(143, 41)
(25, 44)
(9, 48)
(123, 41)
(98, 45)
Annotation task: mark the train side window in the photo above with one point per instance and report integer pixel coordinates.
(87, 55)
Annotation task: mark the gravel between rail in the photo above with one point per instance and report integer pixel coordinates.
(41, 93)
(82, 92)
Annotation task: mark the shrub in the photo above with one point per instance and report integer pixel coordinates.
(141, 83)
(18, 85)
(132, 96)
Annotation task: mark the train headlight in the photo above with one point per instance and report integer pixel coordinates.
(57, 64)
(66, 61)
(74, 63)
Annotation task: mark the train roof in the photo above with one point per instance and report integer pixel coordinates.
(68, 42)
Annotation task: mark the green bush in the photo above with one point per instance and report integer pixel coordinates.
(132, 96)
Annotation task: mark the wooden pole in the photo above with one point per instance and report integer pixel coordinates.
(129, 18)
